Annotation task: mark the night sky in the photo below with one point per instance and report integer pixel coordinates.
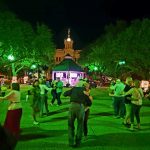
(85, 18)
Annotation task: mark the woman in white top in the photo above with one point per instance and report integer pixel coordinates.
(43, 97)
(14, 113)
(136, 103)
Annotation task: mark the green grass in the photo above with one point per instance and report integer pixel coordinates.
(105, 132)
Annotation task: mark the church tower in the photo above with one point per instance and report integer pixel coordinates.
(68, 42)
(67, 50)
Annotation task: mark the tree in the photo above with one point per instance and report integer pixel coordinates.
(130, 44)
(28, 46)
(100, 52)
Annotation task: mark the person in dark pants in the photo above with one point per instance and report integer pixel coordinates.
(76, 111)
(43, 97)
(87, 109)
(59, 89)
(53, 92)
(136, 103)
(35, 101)
(127, 101)
(119, 106)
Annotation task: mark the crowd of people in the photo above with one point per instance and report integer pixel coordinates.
(126, 100)
(80, 102)
(38, 96)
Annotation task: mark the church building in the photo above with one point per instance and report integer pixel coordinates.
(67, 50)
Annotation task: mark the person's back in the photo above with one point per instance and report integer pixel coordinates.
(76, 111)
(76, 94)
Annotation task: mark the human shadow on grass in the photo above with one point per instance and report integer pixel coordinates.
(145, 124)
(134, 139)
(55, 119)
(38, 133)
(147, 105)
(101, 114)
(58, 111)
(104, 105)
(146, 113)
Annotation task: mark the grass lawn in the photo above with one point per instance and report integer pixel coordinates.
(105, 132)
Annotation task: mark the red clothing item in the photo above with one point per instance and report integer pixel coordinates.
(12, 122)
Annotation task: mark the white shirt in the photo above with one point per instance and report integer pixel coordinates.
(119, 89)
(136, 93)
(14, 98)
(43, 87)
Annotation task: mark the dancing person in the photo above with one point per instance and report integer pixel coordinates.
(36, 103)
(87, 109)
(119, 106)
(43, 97)
(111, 91)
(136, 103)
(127, 100)
(53, 92)
(76, 111)
(14, 113)
(59, 89)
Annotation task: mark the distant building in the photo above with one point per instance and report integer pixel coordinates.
(68, 49)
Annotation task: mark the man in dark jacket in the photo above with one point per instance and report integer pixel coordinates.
(76, 111)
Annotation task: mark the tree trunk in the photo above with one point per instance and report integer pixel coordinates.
(14, 77)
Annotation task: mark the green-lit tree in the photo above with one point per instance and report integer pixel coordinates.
(100, 51)
(121, 43)
(26, 45)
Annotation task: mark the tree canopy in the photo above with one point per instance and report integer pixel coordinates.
(28, 45)
(121, 42)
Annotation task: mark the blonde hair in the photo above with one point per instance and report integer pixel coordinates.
(129, 79)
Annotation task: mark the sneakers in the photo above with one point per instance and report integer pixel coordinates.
(35, 123)
(128, 125)
(131, 127)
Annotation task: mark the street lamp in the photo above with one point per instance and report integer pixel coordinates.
(122, 62)
(33, 66)
(119, 63)
(11, 57)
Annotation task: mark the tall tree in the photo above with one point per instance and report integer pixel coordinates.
(26, 45)
(123, 49)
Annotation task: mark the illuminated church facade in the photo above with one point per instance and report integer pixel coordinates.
(66, 64)
(67, 50)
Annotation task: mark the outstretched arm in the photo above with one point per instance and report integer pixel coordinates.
(7, 96)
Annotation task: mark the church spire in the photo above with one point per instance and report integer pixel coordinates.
(68, 32)
(68, 39)
(68, 42)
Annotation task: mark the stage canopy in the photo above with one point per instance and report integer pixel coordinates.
(68, 71)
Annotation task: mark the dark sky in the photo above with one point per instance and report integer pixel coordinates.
(86, 18)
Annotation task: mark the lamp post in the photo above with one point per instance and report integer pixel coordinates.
(11, 57)
(119, 63)
(14, 77)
